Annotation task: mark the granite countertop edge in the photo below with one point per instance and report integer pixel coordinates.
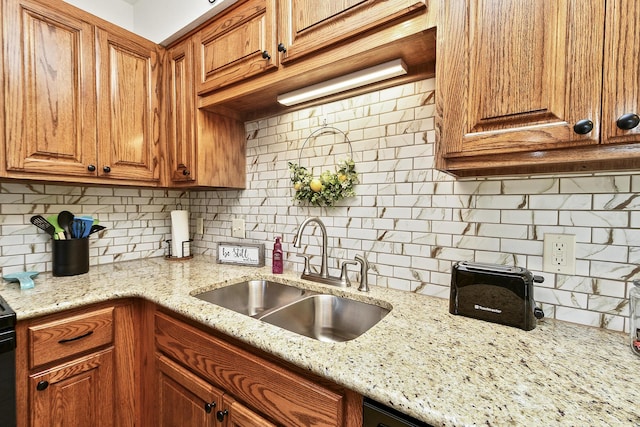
(443, 369)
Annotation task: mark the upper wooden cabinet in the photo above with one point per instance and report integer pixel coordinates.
(520, 86)
(82, 102)
(129, 116)
(49, 90)
(306, 26)
(181, 96)
(621, 85)
(205, 149)
(263, 48)
(237, 45)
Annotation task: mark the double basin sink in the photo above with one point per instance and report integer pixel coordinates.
(315, 315)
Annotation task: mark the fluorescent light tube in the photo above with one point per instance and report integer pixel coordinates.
(375, 74)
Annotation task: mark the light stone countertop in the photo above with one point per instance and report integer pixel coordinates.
(444, 369)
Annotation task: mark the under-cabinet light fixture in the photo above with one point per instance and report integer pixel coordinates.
(360, 78)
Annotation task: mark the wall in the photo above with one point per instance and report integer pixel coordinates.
(161, 21)
(413, 222)
(118, 12)
(137, 222)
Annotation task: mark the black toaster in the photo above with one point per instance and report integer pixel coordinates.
(495, 293)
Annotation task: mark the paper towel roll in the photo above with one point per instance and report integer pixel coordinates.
(180, 233)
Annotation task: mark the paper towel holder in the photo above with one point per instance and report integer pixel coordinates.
(186, 249)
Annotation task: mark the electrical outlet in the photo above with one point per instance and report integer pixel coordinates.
(199, 225)
(237, 228)
(559, 253)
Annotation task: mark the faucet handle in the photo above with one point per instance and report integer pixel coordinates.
(344, 278)
(306, 270)
(364, 279)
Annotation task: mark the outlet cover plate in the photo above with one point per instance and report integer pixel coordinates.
(237, 228)
(559, 253)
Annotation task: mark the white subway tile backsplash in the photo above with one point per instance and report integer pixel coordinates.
(412, 221)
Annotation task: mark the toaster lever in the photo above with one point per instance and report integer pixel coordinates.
(538, 313)
(538, 279)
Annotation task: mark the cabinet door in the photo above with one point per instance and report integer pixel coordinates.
(238, 45)
(184, 399)
(621, 93)
(129, 122)
(49, 88)
(241, 416)
(306, 26)
(182, 142)
(76, 394)
(516, 76)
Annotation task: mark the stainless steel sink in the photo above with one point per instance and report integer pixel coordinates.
(252, 297)
(319, 316)
(327, 317)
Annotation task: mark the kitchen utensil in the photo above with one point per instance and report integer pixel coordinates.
(25, 278)
(65, 218)
(41, 222)
(95, 228)
(82, 226)
(59, 233)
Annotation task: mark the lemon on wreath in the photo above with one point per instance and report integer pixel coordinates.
(316, 185)
(297, 186)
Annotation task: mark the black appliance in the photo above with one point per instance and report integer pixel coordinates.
(495, 293)
(375, 414)
(7, 365)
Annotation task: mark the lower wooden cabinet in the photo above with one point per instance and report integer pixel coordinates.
(77, 393)
(125, 363)
(256, 390)
(184, 399)
(78, 368)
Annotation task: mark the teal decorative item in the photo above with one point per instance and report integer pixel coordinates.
(25, 278)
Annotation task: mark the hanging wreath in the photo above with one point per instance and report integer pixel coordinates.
(328, 188)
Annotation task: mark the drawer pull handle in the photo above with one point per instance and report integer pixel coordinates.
(221, 414)
(628, 121)
(583, 127)
(42, 385)
(79, 337)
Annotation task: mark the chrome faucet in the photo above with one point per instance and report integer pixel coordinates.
(324, 277)
(324, 269)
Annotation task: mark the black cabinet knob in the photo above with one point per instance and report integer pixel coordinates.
(221, 414)
(282, 48)
(186, 172)
(106, 169)
(42, 385)
(208, 407)
(266, 55)
(583, 127)
(91, 168)
(628, 121)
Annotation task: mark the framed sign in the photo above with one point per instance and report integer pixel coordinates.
(241, 254)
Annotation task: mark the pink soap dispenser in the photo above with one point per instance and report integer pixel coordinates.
(276, 267)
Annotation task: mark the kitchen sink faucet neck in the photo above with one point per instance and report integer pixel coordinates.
(324, 269)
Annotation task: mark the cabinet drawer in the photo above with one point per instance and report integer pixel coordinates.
(65, 337)
(280, 394)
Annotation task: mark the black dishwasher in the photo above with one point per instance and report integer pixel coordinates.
(375, 414)
(7, 365)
